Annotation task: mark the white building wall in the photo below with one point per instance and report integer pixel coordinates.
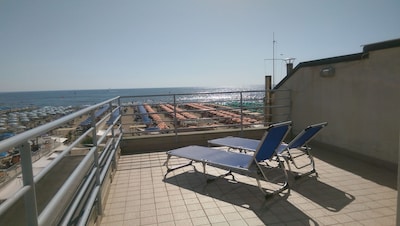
(361, 103)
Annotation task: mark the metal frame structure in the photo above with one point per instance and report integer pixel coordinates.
(286, 151)
(257, 101)
(80, 194)
(238, 162)
(79, 198)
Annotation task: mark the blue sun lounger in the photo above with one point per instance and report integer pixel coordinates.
(239, 162)
(300, 142)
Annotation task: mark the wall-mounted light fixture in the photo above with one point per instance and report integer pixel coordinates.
(327, 71)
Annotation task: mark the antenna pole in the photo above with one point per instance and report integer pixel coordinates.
(273, 59)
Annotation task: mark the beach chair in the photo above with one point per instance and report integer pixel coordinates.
(296, 148)
(250, 165)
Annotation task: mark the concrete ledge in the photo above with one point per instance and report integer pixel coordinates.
(154, 143)
(164, 142)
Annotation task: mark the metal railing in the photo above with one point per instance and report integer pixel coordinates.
(76, 197)
(176, 113)
(80, 193)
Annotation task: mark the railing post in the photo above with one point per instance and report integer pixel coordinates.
(111, 116)
(27, 177)
(175, 120)
(120, 131)
(241, 112)
(96, 163)
(113, 133)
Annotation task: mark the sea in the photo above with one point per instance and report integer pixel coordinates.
(77, 98)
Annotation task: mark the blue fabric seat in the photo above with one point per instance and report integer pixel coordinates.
(285, 150)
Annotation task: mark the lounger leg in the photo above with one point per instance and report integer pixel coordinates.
(312, 163)
(205, 174)
(282, 188)
(209, 180)
(204, 168)
(229, 173)
(287, 160)
(298, 176)
(291, 159)
(169, 169)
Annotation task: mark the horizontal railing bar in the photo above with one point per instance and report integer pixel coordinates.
(89, 206)
(193, 94)
(108, 162)
(103, 154)
(57, 204)
(40, 130)
(104, 135)
(109, 128)
(89, 179)
(80, 182)
(53, 163)
(77, 199)
(104, 118)
(13, 199)
(108, 145)
(278, 106)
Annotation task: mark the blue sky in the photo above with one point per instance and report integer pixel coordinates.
(88, 44)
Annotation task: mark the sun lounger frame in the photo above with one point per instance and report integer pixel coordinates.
(239, 162)
(300, 142)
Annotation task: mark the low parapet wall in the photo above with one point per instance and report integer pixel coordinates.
(164, 142)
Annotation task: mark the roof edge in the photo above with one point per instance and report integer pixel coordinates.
(382, 45)
(331, 60)
(352, 57)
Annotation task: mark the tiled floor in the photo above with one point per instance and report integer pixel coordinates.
(347, 192)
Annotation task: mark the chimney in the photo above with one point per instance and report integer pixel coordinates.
(289, 65)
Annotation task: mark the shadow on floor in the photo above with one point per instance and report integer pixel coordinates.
(322, 194)
(363, 167)
(271, 211)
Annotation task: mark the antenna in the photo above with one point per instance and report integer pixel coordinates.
(273, 58)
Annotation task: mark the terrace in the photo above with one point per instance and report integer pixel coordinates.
(119, 178)
(347, 192)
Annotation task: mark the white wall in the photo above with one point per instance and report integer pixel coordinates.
(361, 103)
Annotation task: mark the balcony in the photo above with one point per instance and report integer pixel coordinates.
(348, 191)
(118, 178)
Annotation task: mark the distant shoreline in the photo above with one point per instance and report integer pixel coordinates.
(143, 88)
(15, 100)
